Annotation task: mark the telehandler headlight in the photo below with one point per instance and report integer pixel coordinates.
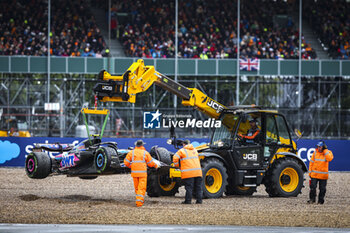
(220, 144)
(169, 141)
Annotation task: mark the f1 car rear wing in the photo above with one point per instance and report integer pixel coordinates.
(53, 147)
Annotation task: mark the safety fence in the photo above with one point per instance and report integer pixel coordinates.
(186, 67)
(323, 111)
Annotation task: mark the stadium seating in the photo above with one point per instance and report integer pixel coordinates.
(207, 29)
(331, 22)
(23, 29)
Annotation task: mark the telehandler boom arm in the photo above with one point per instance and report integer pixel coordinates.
(138, 78)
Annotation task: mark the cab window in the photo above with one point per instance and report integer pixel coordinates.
(271, 129)
(223, 136)
(283, 130)
(250, 128)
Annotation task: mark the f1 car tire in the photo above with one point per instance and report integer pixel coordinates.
(161, 154)
(102, 159)
(38, 165)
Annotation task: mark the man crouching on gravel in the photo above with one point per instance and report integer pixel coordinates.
(191, 171)
(138, 160)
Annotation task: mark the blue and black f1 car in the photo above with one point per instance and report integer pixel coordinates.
(88, 159)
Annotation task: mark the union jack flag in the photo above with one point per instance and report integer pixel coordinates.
(249, 64)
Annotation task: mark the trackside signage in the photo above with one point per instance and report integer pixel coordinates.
(14, 149)
(157, 120)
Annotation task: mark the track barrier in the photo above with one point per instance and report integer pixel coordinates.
(14, 149)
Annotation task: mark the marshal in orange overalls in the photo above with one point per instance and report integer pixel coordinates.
(138, 160)
(318, 172)
(191, 171)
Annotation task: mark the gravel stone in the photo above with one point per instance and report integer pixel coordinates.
(110, 200)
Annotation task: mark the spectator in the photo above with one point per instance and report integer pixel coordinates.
(331, 22)
(73, 29)
(207, 29)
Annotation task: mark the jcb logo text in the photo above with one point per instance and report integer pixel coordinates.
(252, 157)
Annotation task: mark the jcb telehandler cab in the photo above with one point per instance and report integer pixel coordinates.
(269, 158)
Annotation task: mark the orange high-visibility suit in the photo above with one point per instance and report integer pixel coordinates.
(190, 164)
(318, 167)
(138, 160)
(191, 172)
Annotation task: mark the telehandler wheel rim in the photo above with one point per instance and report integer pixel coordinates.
(166, 186)
(289, 179)
(213, 180)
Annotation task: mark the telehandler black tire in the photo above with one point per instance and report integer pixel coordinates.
(214, 178)
(161, 185)
(284, 178)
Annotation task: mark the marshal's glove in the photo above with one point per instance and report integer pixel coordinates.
(158, 163)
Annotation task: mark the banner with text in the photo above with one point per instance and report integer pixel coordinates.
(14, 149)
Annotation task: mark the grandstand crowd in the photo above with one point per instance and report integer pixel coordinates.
(207, 29)
(331, 22)
(23, 29)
